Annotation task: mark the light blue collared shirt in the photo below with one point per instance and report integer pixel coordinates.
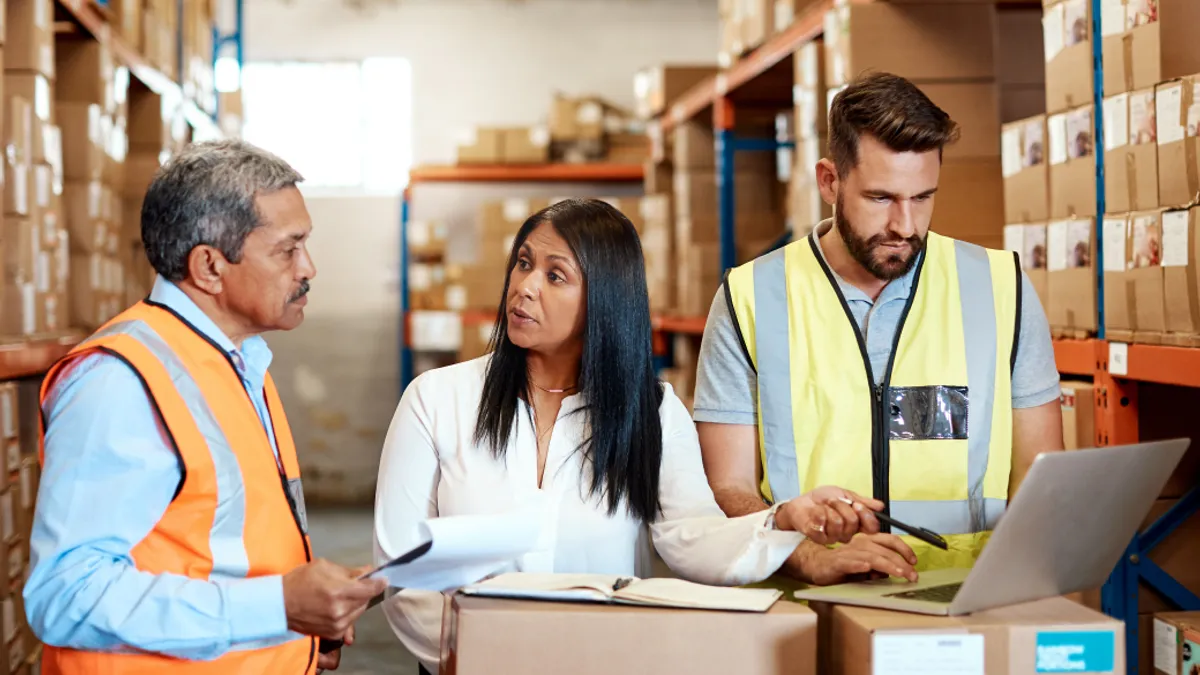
(110, 473)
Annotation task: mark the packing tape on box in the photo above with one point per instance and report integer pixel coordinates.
(1131, 180)
(1189, 142)
(1127, 58)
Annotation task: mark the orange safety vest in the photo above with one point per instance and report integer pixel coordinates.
(238, 512)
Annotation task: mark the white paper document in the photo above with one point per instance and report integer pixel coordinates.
(454, 551)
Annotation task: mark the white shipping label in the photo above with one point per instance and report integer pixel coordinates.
(1112, 17)
(9, 413)
(1010, 151)
(456, 298)
(920, 654)
(13, 456)
(41, 13)
(41, 273)
(419, 233)
(1116, 122)
(1115, 232)
(420, 277)
(539, 137)
(27, 486)
(1169, 109)
(1166, 648)
(28, 309)
(1053, 33)
(1056, 246)
(516, 210)
(1057, 127)
(784, 14)
(589, 113)
(1014, 238)
(1175, 239)
(1142, 127)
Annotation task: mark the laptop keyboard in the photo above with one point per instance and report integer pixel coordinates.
(932, 594)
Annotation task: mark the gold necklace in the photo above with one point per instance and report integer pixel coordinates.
(552, 391)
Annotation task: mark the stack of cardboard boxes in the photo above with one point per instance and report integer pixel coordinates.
(92, 109)
(18, 646)
(33, 240)
(806, 207)
(197, 76)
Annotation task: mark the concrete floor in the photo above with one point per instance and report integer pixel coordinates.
(344, 536)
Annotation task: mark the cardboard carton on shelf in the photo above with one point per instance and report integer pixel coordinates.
(1176, 643)
(924, 43)
(1028, 240)
(1118, 296)
(1078, 414)
(1071, 277)
(481, 145)
(1131, 152)
(1067, 40)
(658, 87)
(504, 637)
(970, 201)
(809, 90)
(524, 145)
(1145, 43)
(975, 107)
(1026, 170)
(1178, 137)
(1072, 164)
(1181, 269)
(1133, 269)
(1051, 635)
(32, 87)
(29, 38)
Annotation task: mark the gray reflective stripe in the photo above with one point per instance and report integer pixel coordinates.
(948, 517)
(774, 366)
(267, 642)
(229, 557)
(979, 338)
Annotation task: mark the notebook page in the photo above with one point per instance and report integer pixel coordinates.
(548, 585)
(680, 593)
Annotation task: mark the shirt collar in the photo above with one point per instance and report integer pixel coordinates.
(252, 360)
(900, 287)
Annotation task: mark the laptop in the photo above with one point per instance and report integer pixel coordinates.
(1064, 531)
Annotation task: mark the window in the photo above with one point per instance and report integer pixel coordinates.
(343, 125)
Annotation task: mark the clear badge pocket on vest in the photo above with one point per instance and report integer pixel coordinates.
(936, 412)
(295, 493)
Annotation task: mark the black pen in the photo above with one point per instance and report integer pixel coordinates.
(928, 536)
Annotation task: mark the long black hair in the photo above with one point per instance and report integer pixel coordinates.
(620, 390)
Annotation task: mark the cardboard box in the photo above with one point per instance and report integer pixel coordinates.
(507, 636)
(10, 426)
(1019, 61)
(1146, 276)
(976, 108)
(1131, 152)
(1020, 101)
(1052, 635)
(1026, 170)
(29, 42)
(925, 43)
(1181, 275)
(1148, 42)
(1068, 46)
(1029, 242)
(787, 11)
(21, 247)
(576, 119)
(1176, 643)
(657, 88)
(481, 146)
(85, 72)
(83, 141)
(525, 145)
(693, 146)
(1072, 166)
(970, 201)
(696, 194)
(18, 189)
(809, 90)
(1078, 414)
(1178, 136)
(1119, 311)
(32, 87)
(1071, 282)
(17, 119)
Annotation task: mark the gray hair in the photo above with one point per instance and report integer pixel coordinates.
(205, 196)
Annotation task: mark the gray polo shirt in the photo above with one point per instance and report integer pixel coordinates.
(726, 383)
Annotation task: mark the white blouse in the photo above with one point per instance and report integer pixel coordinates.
(431, 467)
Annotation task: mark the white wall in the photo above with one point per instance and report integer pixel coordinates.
(490, 61)
(475, 62)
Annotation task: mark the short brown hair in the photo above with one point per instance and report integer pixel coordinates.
(890, 109)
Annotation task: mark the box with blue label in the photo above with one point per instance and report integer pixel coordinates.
(1054, 635)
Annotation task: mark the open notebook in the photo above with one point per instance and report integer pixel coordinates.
(604, 588)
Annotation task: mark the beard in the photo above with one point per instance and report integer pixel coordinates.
(893, 265)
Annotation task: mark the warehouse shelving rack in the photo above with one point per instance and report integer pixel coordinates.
(1116, 369)
(595, 172)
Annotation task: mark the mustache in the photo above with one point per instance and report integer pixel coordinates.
(300, 292)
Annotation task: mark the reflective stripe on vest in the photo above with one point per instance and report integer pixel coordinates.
(234, 490)
(936, 440)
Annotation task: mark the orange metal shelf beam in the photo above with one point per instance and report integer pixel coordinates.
(1077, 357)
(92, 20)
(533, 173)
(1163, 365)
(685, 325)
(34, 357)
(701, 96)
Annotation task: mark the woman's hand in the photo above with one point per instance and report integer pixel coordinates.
(829, 515)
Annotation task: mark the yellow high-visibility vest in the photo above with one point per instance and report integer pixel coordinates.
(934, 439)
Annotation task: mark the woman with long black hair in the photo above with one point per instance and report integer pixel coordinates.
(567, 407)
